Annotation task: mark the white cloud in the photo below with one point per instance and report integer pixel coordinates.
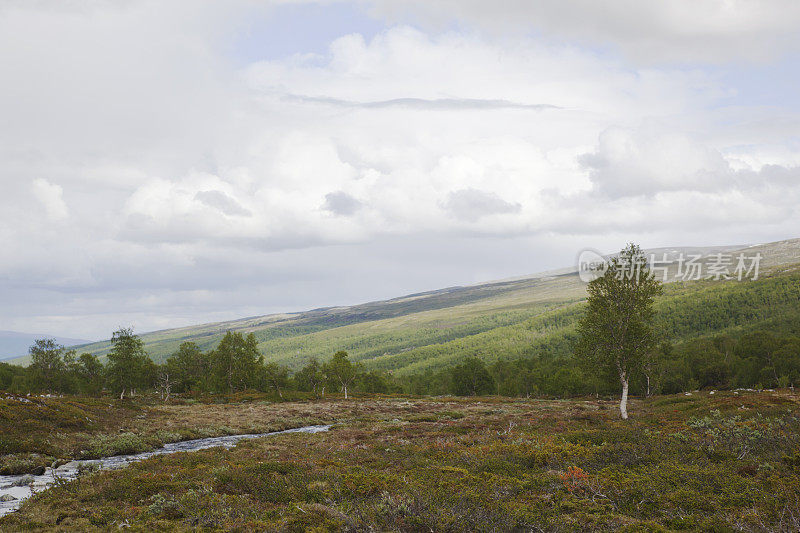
(221, 201)
(686, 31)
(630, 162)
(51, 197)
(197, 185)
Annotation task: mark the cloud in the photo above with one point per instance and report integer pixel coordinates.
(471, 205)
(341, 203)
(203, 187)
(221, 201)
(404, 68)
(443, 104)
(648, 161)
(50, 196)
(685, 31)
(644, 161)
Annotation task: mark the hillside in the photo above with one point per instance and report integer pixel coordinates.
(502, 319)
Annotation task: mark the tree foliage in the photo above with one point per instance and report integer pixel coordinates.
(47, 365)
(311, 378)
(129, 366)
(471, 378)
(617, 330)
(341, 371)
(235, 362)
(189, 368)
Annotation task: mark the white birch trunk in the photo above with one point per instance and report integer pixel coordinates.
(623, 404)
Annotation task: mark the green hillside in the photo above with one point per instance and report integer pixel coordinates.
(499, 320)
(685, 311)
(378, 328)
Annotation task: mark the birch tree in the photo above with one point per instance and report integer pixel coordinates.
(341, 371)
(617, 331)
(128, 363)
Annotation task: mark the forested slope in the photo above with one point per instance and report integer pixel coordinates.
(685, 311)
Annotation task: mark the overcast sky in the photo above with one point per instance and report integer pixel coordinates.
(167, 163)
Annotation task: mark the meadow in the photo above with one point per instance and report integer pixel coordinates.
(722, 461)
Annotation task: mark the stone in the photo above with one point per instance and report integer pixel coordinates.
(23, 481)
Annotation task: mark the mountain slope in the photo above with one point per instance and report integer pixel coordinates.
(390, 324)
(509, 318)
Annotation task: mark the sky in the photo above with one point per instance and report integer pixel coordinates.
(167, 163)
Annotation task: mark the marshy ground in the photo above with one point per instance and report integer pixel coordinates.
(723, 462)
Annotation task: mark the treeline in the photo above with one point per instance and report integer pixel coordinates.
(522, 377)
(755, 360)
(234, 365)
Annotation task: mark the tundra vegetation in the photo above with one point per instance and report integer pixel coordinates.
(713, 462)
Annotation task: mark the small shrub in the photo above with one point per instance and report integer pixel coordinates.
(31, 463)
(731, 434)
(272, 482)
(574, 479)
(164, 506)
(87, 468)
(109, 445)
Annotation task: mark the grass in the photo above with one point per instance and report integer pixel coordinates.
(722, 462)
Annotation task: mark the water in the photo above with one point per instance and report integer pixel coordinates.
(21, 487)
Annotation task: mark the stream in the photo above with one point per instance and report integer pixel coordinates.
(14, 489)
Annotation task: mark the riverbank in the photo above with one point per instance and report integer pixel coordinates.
(727, 461)
(37, 432)
(14, 490)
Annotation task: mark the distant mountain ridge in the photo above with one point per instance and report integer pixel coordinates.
(14, 343)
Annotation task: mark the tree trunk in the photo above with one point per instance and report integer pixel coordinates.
(648, 385)
(345, 392)
(623, 404)
(122, 394)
